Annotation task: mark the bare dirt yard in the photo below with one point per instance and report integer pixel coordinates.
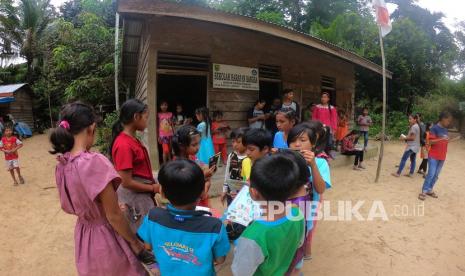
(416, 239)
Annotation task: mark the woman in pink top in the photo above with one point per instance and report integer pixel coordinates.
(104, 243)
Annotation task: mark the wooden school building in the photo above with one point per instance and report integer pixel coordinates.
(199, 56)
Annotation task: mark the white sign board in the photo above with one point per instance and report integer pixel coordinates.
(235, 77)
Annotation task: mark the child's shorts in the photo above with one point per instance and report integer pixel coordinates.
(11, 164)
(165, 144)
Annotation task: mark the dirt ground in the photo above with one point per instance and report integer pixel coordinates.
(37, 237)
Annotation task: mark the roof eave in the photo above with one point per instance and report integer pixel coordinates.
(163, 8)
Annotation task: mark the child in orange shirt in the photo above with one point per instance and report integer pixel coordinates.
(219, 130)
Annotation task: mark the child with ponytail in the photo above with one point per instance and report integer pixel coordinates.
(86, 182)
(204, 127)
(186, 144)
(131, 160)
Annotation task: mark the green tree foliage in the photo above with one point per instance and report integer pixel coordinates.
(77, 62)
(21, 28)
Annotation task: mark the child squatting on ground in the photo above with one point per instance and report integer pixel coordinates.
(10, 145)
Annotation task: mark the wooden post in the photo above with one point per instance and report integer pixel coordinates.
(116, 60)
(50, 110)
(383, 127)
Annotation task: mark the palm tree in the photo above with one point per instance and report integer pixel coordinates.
(21, 28)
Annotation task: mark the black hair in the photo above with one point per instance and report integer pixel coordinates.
(352, 132)
(182, 181)
(287, 91)
(258, 137)
(444, 114)
(316, 132)
(414, 116)
(206, 117)
(290, 114)
(8, 126)
(163, 101)
(238, 133)
(217, 114)
(259, 101)
(182, 139)
(273, 184)
(365, 108)
(78, 116)
(326, 93)
(428, 126)
(304, 172)
(126, 116)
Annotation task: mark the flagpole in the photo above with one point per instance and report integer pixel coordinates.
(383, 128)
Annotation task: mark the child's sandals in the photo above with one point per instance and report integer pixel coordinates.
(21, 180)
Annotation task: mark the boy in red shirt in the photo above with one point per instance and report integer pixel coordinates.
(219, 130)
(10, 146)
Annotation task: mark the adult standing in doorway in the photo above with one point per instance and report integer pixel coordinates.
(270, 122)
(326, 114)
(288, 102)
(256, 116)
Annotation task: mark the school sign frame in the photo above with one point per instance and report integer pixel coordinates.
(235, 77)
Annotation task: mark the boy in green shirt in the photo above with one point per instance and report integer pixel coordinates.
(268, 245)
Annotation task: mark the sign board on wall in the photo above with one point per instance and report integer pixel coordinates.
(235, 77)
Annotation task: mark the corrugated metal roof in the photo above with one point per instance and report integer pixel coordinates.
(11, 88)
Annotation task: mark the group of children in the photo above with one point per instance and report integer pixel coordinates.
(213, 133)
(432, 142)
(117, 196)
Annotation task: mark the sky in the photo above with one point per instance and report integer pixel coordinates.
(453, 9)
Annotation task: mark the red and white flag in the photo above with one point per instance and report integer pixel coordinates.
(382, 17)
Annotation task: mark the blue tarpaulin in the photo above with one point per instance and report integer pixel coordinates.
(7, 99)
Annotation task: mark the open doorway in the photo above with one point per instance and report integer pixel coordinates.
(187, 90)
(269, 90)
(190, 91)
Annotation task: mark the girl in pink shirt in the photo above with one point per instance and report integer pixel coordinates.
(86, 182)
(326, 113)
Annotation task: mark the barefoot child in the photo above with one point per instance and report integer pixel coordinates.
(204, 127)
(184, 241)
(268, 245)
(131, 159)
(165, 130)
(86, 182)
(186, 144)
(310, 139)
(10, 145)
(219, 130)
(286, 118)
